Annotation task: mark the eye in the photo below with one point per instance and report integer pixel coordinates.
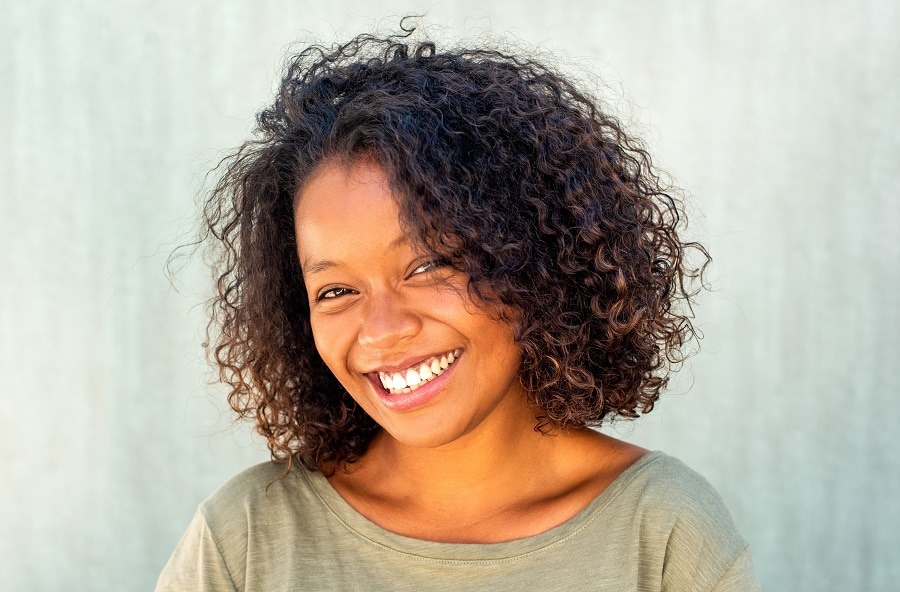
(427, 266)
(332, 293)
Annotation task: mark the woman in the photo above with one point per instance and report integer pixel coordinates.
(439, 270)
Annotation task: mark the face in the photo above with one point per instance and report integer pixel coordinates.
(398, 329)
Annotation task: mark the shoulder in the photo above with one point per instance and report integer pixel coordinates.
(684, 522)
(666, 486)
(253, 507)
(671, 497)
(260, 494)
(260, 513)
(248, 488)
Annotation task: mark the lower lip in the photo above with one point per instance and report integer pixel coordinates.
(417, 398)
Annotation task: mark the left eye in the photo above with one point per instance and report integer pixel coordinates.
(424, 267)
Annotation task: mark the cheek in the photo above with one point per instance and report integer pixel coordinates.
(500, 335)
(327, 338)
(507, 349)
(335, 352)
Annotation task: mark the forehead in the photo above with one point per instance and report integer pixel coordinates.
(344, 211)
(336, 185)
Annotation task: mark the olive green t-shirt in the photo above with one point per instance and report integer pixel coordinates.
(658, 526)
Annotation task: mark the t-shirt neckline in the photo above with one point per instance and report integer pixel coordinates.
(374, 534)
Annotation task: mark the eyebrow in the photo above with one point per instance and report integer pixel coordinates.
(326, 264)
(317, 267)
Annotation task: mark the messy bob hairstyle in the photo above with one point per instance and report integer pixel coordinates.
(503, 170)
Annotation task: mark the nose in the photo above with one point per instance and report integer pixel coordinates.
(387, 321)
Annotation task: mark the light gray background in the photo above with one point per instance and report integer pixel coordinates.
(781, 119)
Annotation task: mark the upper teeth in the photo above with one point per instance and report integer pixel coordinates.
(408, 380)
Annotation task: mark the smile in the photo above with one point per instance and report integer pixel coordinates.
(406, 381)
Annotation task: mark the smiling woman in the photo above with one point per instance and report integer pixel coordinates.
(439, 270)
(382, 313)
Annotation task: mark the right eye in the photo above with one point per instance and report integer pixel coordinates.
(332, 293)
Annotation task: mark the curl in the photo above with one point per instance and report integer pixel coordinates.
(501, 167)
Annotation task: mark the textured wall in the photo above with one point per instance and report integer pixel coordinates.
(781, 119)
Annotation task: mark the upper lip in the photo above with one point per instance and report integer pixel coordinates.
(409, 362)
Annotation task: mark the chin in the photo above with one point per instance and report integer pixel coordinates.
(426, 435)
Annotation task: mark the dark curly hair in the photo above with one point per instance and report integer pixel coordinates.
(505, 171)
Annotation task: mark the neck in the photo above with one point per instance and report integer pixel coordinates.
(500, 482)
(485, 459)
(491, 469)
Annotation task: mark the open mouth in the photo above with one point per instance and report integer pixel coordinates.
(406, 381)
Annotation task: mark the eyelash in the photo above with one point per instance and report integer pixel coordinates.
(424, 267)
(334, 293)
(338, 292)
(430, 265)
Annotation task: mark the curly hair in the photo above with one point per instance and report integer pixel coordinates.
(503, 169)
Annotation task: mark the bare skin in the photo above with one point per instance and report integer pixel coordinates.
(458, 458)
(486, 491)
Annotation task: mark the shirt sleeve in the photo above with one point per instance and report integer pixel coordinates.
(197, 563)
(739, 576)
(704, 551)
